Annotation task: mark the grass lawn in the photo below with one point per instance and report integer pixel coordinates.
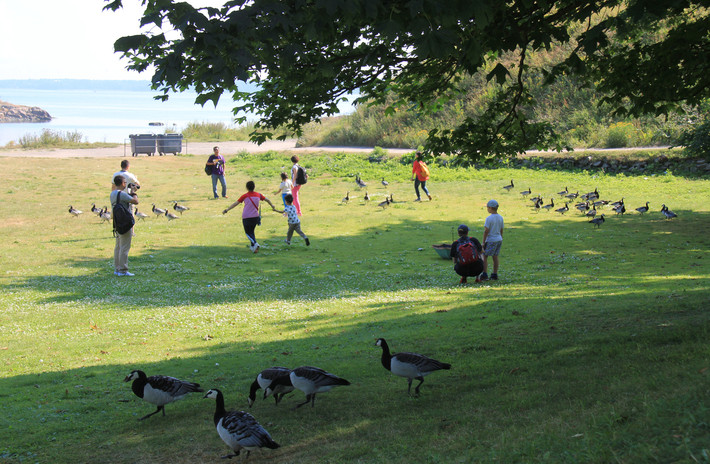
(593, 346)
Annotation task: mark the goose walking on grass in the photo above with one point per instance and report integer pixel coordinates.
(668, 213)
(509, 186)
(527, 192)
(159, 389)
(409, 365)
(563, 210)
(385, 203)
(158, 211)
(572, 196)
(549, 206)
(105, 214)
(180, 208)
(366, 197)
(274, 381)
(642, 209)
(346, 198)
(384, 182)
(564, 192)
(592, 212)
(238, 429)
(598, 221)
(313, 380)
(359, 182)
(95, 210)
(74, 212)
(140, 215)
(620, 209)
(171, 216)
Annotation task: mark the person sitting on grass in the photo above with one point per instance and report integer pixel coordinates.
(466, 254)
(294, 223)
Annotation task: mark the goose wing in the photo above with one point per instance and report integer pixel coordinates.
(422, 364)
(240, 429)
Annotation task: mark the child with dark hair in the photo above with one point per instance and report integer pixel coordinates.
(294, 223)
(250, 215)
(285, 187)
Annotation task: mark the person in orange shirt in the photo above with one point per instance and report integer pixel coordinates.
(420, 174)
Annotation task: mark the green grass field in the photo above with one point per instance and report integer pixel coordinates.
(593, 346)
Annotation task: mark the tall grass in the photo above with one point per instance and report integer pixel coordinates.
(591, 348)
(215, 132)
(54, 139)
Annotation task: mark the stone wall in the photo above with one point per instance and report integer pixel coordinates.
(19, 113)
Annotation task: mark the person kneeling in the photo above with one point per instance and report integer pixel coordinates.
(466, 254)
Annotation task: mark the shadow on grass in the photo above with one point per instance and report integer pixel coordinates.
(509, 373)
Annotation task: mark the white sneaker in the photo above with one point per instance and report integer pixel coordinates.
(126, 274)
(256, 248)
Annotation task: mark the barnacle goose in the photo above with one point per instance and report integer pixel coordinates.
(158, 211)
(238, 429)
(409, 365)
(74, 211)
(180, 208)
(274, 380)
(509, 186)
(598, 221)
(159, 389)
(312, 380)
(642, 209)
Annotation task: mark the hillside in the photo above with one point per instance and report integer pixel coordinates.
(10, 112)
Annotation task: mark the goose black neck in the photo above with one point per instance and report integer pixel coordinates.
(139, 384)
(252, 391)
(386, 356)
(219, 410)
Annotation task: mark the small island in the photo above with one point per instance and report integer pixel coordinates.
(10, 112)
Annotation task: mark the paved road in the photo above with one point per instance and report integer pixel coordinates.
(195, 148)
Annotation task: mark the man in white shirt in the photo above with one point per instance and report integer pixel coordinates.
(129, 176)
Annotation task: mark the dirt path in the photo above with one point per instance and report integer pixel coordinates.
(194, 148)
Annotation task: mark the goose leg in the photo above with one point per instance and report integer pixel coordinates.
(313, 400)
(155, 412)
(421, 381)
(409, 387)
(308, 399)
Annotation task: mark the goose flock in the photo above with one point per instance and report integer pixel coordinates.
(239, 429)
(105, 214)
(589, 205)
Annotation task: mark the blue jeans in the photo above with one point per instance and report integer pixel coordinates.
(283, 197)
(214, 184)
(417, 182)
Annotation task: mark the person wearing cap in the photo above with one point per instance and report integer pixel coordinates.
(472, 269)
(492, 239)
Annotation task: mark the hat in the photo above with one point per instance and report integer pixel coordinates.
(492, 204)
(463, 228)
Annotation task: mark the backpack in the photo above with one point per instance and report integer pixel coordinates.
(424, 168)
(123, 219)
(301, 176)
(468, 253)
(208, 169)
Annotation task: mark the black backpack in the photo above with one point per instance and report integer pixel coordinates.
(208, 169)
(123, 219)
(301, 176)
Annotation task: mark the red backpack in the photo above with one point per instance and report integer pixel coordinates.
(467, 253)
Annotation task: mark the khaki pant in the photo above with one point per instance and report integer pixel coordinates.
(120, 252)
(294, 227)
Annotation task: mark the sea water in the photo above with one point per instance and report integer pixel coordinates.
(112, 115)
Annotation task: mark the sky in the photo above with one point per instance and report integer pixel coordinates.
(67, 39)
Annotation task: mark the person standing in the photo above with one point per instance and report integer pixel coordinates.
(285, 187)
(250, 214)
(298, 181)
(467, 262)
(123, 241)
(492, 239)
(420, 174)
(217, 162)
(130, 177)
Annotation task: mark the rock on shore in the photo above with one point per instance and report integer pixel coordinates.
(19, 113)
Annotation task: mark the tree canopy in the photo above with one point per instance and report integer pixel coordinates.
(307, 55)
